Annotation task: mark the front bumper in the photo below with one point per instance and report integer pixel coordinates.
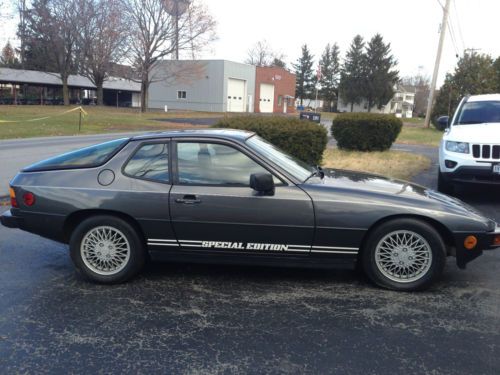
(476, 175)
(10, 221)
(467, 168)
(485, 242)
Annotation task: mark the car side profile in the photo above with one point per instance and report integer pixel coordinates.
(229, 196)
(470, 148)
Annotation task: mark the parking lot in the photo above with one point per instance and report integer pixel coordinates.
(183, 318)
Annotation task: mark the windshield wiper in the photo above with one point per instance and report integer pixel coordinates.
(318, 172)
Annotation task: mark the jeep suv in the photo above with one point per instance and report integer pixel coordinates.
(470, 148)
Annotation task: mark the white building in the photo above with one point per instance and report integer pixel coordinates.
(401, 104)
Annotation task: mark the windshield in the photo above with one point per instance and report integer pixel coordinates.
(479, 113)
(92, 156)
(295, 167)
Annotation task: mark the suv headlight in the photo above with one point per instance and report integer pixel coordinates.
(461, 147)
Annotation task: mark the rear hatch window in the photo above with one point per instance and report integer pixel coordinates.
(88, 157)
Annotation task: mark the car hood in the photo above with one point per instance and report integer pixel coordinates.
(474, 133)
(370, 187)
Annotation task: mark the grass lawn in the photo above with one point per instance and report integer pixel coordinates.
(395, 164)
(98, 120)
(418, 135)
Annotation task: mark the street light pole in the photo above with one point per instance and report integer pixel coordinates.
(444, 23)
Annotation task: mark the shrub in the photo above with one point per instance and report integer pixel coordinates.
(366, 131)
(303, 139)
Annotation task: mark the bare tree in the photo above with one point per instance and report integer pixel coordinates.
(52, 26)
(421, 84)
(156, 34)
(261, 54)
(103, 40)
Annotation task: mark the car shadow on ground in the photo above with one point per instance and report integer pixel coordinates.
(478, 193)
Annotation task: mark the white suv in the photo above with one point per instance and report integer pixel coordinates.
(470, 148)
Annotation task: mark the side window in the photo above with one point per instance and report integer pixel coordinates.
(215, 164)
(149, 162)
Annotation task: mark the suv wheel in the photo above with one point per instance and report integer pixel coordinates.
(106, 249)
(404, 255)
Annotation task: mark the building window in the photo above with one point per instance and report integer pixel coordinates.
(280, 100)
(181, 94)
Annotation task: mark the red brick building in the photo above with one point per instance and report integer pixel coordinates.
(274, 90)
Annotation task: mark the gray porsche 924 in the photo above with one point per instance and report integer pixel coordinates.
(229, 196)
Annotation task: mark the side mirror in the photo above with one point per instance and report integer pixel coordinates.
(262, 183)
(443, 121)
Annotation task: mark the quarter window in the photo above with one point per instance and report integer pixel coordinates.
(215, 164)
(149, 162)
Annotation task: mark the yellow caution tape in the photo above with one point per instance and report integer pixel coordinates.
(82, 111)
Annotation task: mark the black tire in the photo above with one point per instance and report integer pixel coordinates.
(445, 186)
(422, 229)
(128, 268)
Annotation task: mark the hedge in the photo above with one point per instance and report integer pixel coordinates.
(365, 131)
(303, 139)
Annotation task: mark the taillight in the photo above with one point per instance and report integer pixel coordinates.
(13, 200)
(29, 199)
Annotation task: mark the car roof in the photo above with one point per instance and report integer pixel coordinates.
(484, 98)
(238, 135)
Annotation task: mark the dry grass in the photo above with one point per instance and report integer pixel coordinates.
(395, 164)
(418, 135)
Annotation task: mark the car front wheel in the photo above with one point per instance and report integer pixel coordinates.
(107, 249)
(404, 254)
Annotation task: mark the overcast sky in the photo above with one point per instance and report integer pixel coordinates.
(410, 26)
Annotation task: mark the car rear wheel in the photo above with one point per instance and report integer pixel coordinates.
(445, 186)
(106, 249)
(404, 254)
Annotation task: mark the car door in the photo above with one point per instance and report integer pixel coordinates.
(213, 208)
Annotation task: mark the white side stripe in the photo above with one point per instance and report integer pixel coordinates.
(335, 248)
(160, 240)
(162, 244)
(334, 251)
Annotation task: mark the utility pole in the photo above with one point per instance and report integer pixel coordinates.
(444, 22)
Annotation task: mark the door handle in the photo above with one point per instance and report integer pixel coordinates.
(188, 199)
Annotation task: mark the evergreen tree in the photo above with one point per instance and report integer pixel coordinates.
(353, 72)
(278, 62)
(330, 74)
(8, 57)
(474, 74)
(496, 65)
(305, 76)
(380, 76)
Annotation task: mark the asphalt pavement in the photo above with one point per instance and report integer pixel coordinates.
(206, 319)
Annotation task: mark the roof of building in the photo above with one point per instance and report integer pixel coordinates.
(407, 88)
(238, 135)
(8, 75)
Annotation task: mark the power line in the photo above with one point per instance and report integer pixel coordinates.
(459, 24)
(453, 39)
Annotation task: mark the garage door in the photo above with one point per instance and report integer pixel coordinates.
(266, 100)
(235, 95)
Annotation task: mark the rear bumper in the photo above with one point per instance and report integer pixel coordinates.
(10, 221)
